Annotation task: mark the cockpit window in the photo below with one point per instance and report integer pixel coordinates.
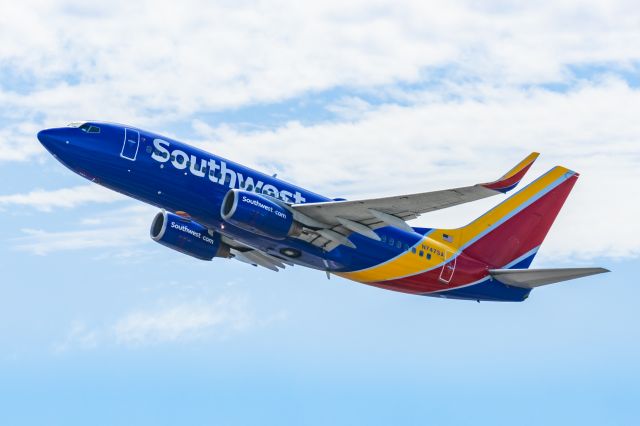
(89, 128)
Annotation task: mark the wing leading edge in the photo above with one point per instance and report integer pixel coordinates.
(395, 210)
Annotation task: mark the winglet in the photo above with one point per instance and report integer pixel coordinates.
(511, 179)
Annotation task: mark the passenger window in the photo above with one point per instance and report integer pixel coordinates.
(384, 238)
(391, 241)
(250, 188)
(413, 250)
(399, 244)
(421, 253)
(428, 256)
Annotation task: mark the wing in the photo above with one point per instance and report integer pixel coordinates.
(334, 217)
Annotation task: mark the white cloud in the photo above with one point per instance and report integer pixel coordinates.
(79, 336)
(185, 321)
(188, 320)
(61, 198)
(118, 229)
(18, 140)
(154, 62)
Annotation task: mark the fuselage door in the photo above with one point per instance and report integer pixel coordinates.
(446, 273)
(130, 145)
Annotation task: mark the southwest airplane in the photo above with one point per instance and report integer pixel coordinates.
(213, 207)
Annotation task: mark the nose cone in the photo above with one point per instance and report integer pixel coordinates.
(53, 140)
(47, 138)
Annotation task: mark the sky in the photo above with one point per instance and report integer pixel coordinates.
(101, 325)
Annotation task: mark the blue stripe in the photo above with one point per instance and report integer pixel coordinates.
(523, 261)
(487, 289)
(506, 188)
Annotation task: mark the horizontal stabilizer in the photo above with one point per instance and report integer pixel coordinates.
(531, 278)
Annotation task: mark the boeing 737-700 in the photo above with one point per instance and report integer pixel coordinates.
(213, 207)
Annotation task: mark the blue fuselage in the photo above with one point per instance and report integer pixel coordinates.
(169, 174)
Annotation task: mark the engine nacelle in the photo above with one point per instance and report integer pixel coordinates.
(187, 236)
(258, 214)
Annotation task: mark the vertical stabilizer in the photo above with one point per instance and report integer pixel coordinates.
(510, 234)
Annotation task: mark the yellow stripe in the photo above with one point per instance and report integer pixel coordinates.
(521, 165)
(407, 263)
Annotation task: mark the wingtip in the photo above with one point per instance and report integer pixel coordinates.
(512, 178)
(522, 167)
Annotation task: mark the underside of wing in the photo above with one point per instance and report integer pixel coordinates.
(255, 257)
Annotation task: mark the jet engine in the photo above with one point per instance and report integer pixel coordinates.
(187, 236)
(258, 214)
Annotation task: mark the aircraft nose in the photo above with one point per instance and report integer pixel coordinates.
(45, 137)
(49, 138)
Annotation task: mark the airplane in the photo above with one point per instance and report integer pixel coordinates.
(213, 207)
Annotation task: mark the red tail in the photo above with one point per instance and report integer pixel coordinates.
(513, 230)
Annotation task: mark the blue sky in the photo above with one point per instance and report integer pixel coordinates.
(100, 325)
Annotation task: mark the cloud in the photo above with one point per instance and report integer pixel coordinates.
(189, 320)
(61, 198)
(185, 321)
(79, 336)
(18, 140)
(66, 60)
(120, 229)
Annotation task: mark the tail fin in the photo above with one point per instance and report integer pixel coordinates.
(509, 235)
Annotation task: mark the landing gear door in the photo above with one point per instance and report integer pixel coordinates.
(446, 273)
(130, 145)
